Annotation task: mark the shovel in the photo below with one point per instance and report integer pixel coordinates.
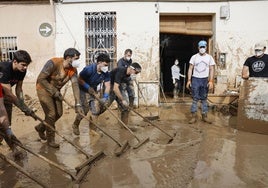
(123, 146)
(19, 168)
(140, 142)
(147, 120)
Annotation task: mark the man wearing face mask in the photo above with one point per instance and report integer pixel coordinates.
(90, 78)
(119, 76)
(257, 65)
(128, 86)
(54, 75)
(175, 72)
(200, 80)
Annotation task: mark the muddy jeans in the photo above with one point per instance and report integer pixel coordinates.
(88, 102)
(199, 92)
(52, 108)
(177, 87)
(128, 91)
(8, 106)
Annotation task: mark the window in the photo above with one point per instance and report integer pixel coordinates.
(8, 45)
(100, 35)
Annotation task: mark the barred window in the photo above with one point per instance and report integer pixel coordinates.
(8, 45)
(100, 36)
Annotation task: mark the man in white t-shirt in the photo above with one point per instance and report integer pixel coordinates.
(200, 80)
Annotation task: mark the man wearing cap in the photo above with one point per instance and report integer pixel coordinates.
(200, 80)
(257, 65)
(119, 76)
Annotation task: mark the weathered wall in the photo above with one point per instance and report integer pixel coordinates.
(253, 106)
(138, 29)
(23, 21)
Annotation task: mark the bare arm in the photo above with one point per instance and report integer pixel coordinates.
(107, 87)
(190, 72)
(76, 90)
(245, 72)
(18, 90)
(117, 91)
(8, 93)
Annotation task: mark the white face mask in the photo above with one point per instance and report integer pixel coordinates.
(258, 53)
(75, 63)
(104, 69)
(176, 62)
(202, 50)
(128, 58)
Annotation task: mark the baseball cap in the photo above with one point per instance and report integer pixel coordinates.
(259, 46)
(202, 43)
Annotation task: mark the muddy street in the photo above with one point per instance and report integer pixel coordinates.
(201, 155)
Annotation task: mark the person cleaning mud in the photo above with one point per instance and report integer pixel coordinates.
(5, 128)
(54, 75)
(13, 74)
(129, 85)
(93, 79)
(200, 80)
(119, 76)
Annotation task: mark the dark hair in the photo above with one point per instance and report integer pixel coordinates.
(128, 50)
(103, 58)
(22, 56)
(71, 52)
(136, 66)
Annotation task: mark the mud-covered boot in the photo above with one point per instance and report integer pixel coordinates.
(17, 154)
(75, 127)
(40, 128)
(193, 118)
(51, 141)
(175, 94)
(124, 117)
(131, 102)
(205, 118)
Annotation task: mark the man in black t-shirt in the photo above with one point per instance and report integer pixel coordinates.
(13, 75)
(128, 86)
(119, 76)
(257, 65)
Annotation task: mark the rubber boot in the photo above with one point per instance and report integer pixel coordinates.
(17, 154)
(40, 128)
(193, 119)
(51, 139)
(93, 129)
(205, 118)
(75, 127)
(175, 94)
(124, 117)
(131, 102)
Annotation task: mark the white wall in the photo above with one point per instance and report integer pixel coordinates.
(138, 29)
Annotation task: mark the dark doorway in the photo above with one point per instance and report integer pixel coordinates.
(176, 46)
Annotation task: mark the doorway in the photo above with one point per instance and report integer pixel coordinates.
(179, 36)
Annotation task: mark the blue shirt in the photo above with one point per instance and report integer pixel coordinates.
(90, 75)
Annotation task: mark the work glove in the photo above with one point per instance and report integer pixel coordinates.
(105, 99)
(24, 108)
(91, 91)
(57, 95)
(79, 109)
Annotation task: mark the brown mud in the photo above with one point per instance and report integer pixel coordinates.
(201, 155)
